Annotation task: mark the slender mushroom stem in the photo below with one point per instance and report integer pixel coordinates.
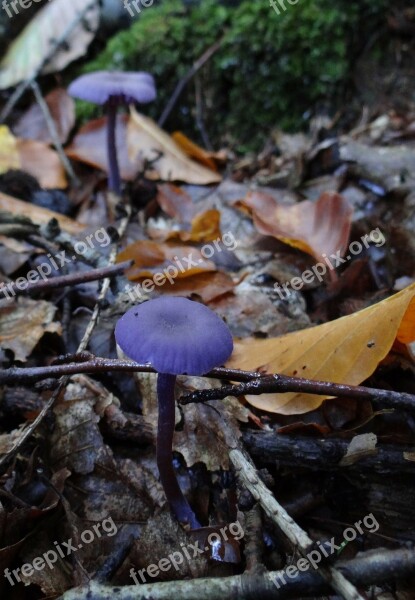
(114, 181)
(165, 430)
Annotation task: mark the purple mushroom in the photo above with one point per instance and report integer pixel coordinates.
(176, 336)
(112, 89)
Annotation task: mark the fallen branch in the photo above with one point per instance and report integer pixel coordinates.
(369, 568)
(67, 280)
(323, 454)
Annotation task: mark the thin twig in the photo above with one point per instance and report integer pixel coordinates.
(249, 477)
(283, 383)
(67, 280)
(185, 80)
(276, 384)
(82, 346)
(51, 125)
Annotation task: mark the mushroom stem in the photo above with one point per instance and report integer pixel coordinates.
(165, 429)
(114, 182)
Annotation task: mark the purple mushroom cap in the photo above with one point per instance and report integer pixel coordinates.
(102, 86)
(175, 335)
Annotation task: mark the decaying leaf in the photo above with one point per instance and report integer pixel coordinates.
(38, 214)
(205, 227)
(42, 162)
(346, 350)
(194, 151)
(9, 154)
(34, 157)
(90, 146)
(32, 124)
(318, 228)
(23, 324)
(179, 269)
(30, 49)
(146, 141)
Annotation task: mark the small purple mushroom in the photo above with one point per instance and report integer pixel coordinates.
(112, 89)
(176, 336)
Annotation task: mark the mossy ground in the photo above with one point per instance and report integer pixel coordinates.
(270, 71)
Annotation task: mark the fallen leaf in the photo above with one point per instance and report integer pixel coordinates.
(176, 202)
(90, 146)
(34, 45)
(22, 325)
(346, 350)
(318, 228)
(360, 447)
(32, 124)
(37, 214)
(205, 227)
(194, 151)
(42, 162)
(9, 154)
(146, 141)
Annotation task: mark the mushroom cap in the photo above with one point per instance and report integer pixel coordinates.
(101, 86)
(174, 335)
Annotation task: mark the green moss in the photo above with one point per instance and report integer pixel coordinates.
(269, 71)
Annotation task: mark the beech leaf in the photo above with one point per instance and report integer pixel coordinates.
(346, 350)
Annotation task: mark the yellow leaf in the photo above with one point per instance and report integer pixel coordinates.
(346, 350)
(9, 153)
(147, 141)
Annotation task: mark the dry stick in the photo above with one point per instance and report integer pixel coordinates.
(185, 80)
(82, 346)
(269, 384)
(69, 280)
(54, 133)
(248, 476)
(368, 568)
(54, 48)
(256, 384)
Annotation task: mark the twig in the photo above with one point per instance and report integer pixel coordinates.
(54, 133)
(324, 454)
(185, 80)
(68, 280)
(82, 346)
(366, 569)
(54, 48)
(269, 384)
(249, 478)
(279, 383)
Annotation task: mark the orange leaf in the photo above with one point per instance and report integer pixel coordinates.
(318, 228)
(346, 350)
(194, 151)
(146, 141)
(39, 214)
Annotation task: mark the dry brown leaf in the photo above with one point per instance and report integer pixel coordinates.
(32, 124)
(90, 146)
(23, 325)
(346, 350)
(318, 228)
(42, 162)
(176, 202)
(38, 215)
(205, 227)
(34, 157)
(146, 141)
(194, 151)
